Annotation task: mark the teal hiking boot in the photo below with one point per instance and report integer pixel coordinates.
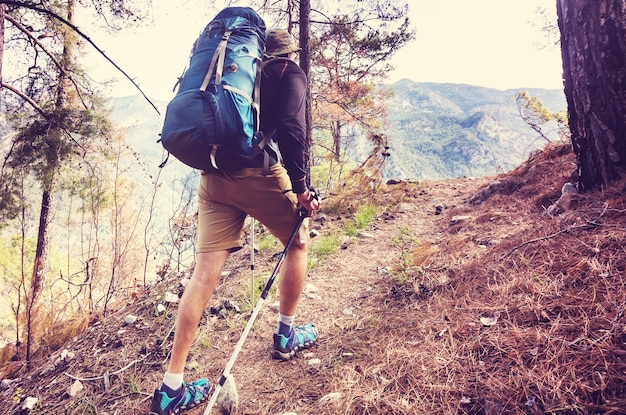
(188, 396)
(301, 337)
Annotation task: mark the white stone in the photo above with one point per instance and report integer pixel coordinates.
(130, 319)
(6, 383)
(29, 403)
(75, 388)
(170, 297)
(315, 362)
(160, 309)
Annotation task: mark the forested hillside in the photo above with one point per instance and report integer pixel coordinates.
(450, 130)
(435, 131)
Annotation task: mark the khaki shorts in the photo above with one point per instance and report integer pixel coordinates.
(225, 199)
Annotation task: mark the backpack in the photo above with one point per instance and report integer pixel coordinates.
(213, 120)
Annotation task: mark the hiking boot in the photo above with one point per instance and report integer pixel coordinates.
(188, 396)
(301, 337)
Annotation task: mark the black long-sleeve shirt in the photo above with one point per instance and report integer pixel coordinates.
(283, 96)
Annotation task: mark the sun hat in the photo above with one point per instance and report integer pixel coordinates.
(279, 42)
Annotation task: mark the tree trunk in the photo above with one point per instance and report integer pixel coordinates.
(2, 8)
(49, 186)
(39, 270)
(305, 64)
(335, 128)
(593, 48)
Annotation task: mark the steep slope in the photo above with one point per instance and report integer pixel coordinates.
(443, 307)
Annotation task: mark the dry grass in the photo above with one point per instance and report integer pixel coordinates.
(550, 288)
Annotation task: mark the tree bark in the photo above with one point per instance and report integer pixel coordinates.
(39, 271)
(305, 64)
(335, 128)
(593, 48)
(2, 9)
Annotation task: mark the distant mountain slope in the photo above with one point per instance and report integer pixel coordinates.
(453, 130)
(436, 130)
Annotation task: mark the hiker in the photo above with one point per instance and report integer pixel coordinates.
(274, 198)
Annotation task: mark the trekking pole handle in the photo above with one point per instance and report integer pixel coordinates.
(314, 195)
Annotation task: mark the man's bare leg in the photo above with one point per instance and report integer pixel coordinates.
(291, 282)
(205, 277)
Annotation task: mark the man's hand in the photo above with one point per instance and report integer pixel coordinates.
(309, 201)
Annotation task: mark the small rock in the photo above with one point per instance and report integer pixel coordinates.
(230, 306)
(6, 383)
(365, 235)
(228, 398)
(345, 242)
(459, 218)
(347, 311)
(313, 296)
(193, 365)
(170, 297)
(315, 362)
(489, 321)
(160, 309)
(130, 319)
(569, 188)
(407, 207)
(310, 288)
(75, 388)
(66, 355)
(184, 282)
(314, 233)
(29, 403)
(486, 193)
(275, 307)
(321, 218)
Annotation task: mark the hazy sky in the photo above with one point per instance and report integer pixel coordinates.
(489, 43)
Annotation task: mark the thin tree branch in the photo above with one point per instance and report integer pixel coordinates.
(35, 40)
(106, 375)
(25, 98)
(84, 36)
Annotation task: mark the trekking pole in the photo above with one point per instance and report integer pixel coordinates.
(252, 262)
(255, 312)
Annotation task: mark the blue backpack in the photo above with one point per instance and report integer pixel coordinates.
(213, 120)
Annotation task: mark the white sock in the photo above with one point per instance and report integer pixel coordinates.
(284, 324)
(173, 380)
(287, 320)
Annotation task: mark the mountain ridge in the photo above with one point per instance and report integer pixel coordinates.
(436, 130)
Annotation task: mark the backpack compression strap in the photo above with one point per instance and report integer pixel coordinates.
(216, 66)
(218, 60)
